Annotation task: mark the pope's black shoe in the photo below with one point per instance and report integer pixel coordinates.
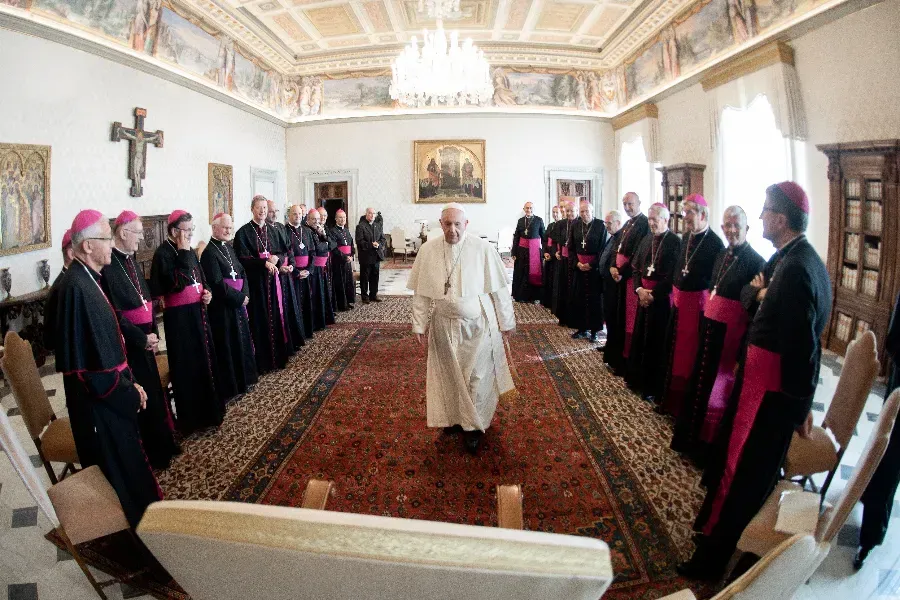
(473, 440)
(453, 429)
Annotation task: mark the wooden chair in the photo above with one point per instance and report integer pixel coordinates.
(52, 436)
(777, 576)
(201, 246)
(88, 509)
(818, 453)
(239, 551)
(760, 536)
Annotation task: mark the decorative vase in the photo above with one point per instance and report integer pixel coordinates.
(5, 282)
(44, 270)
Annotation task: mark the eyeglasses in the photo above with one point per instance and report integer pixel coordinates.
(191, 230)
(101, 239)
(137, 232)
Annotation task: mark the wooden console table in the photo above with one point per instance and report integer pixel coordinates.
(31, 308)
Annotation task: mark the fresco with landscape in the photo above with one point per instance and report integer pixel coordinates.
(189, 46)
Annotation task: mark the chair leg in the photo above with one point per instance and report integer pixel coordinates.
(47, 465)
(732, 563)
(84, 568)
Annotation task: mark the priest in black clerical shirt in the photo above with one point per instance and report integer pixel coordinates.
(315, 238)
(613, 222)
(776, 382)
(690, 293)
(562, 287)
(618, 340)
(102, 397)
(52, 300)
(651, 282)
(585, 246)
(343, 287)
(129, 294)
(299, 252)
(527, 254)
(177, 278)
(723, 327)
(228, 316)
(551, 240)
(254, 245)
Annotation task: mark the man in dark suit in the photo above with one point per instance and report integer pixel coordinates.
(370, 246)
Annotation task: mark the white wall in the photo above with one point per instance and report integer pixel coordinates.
(68, 99)
(848, 78)
(517, 150)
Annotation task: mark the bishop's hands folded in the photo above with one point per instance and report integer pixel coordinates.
(206, 297)
(645, 297)
(152, 342)
(759, 282)
(614, 272)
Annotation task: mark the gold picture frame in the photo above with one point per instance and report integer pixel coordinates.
(24, 198)
(221, 190)
(449, 171)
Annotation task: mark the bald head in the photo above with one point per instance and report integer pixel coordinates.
(632, 204)
(370, 214)
(295, 215)
(734, 226)
(272, 212)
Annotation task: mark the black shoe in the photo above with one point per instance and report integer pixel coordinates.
(699, 570)
(373, 299)
(365, 300)
(472, 441)
(453, 429)
(861, 555)
(351, 306)
(595, 337)
(561, 324)
(581, 333)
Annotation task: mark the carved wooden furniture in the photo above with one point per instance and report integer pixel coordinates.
(679, 182)
(31, 308)
(862, 240)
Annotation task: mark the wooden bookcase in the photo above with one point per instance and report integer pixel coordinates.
(678, 182)
(862, 239)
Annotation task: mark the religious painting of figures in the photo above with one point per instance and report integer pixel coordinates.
(355, 93)
(775, 12)
(24, 198)
(221, 190)
(646, 72)
(119, 20)
(251, 80)
(449, 171)
(185, 43)
(703, 33)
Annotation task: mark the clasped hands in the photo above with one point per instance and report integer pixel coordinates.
(583, 266)
(645, 297)
(614, 272)
(142, 395)
(152, 342)
(759, 282)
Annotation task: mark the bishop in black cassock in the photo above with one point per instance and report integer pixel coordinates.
(52, 300)
(651, 282)
(254, 244)
(102, 397)
(551, 241)
(130, 296)
(177, 278)
(299, 251)
(618, 340)
(563, 284)
(693, 271)
(586, 303)
(343, 287)
(723, 328)
(776, 382)
(228, 315)
(316, 239)
(610, 296)
(526, 250)
(291, 305)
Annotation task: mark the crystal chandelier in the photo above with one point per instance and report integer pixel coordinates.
(440, 73)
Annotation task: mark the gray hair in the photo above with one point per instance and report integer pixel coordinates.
(614, 215)
(736, 211)
(220, 219)
(660, 210)
(86, 233)
(703, 210)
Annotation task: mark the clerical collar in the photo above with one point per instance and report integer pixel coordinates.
(212, 239)
(702, 232)
(122, 252)
(659, 235)
(258, 225)
(92, 272)
(737, 248)
(786, 247)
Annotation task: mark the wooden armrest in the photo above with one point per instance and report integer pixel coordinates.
(316, 494)
(509, 507)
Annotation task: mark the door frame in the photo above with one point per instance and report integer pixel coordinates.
(554, 174)
(309, 179)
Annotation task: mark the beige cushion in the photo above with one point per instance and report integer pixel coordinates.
(808, 456)
(682, 595)
(57, 442)
(87, 506)
(760, 536)
(237, 551)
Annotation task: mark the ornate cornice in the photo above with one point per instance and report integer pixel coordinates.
(638, 113)
(744, 64)
(640, 26)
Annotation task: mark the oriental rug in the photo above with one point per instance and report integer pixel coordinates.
(592, 457)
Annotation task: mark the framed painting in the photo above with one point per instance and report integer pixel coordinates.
(24, 198)
(221, 190)
(449, 171)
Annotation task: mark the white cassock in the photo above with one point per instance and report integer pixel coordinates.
(467, 372)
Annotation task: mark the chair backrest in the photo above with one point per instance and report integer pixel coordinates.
(398, 238)
(162, 365)
(780, 573)
(22, 372)
(87, 506)
(835, 518)
(201, 246)
(859, 371)
(238, 551)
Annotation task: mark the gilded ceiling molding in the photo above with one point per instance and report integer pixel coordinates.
(640, 26)
(633, 115)
(746, 63)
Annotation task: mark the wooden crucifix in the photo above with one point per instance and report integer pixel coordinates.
(137, 148)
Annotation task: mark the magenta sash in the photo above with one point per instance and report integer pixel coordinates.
(301, 262)
(735, 318)
(687, 339)
(534, 259)
(264, 254)
(186, 296)
(621, 260)
(762, 373)
(549, 242)
(588, 259)
(631, 306)
(345, 250)
(320, 261)
(140, 315)
(235, 284)
(565, 252)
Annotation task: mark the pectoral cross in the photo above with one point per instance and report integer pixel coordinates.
(447, 287)
(143, 302)
(650, 270)
(195, 285)
(713, 294)
(583, 244)
(685, 271)
(137, 148)
(233, 274)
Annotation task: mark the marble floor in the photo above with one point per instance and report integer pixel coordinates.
(32, 568)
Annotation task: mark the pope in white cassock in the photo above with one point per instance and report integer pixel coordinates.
(461, 290)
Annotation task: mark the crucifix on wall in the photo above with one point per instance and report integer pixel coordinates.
(137, 148)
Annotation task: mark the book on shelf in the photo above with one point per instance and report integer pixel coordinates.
(873, 255)
(874, 211)
(842, 331)
(854, 214)
(853, 188)
(849, 277)
(870, 283)
(873, 190)
(851, 249)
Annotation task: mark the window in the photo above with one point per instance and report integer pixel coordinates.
(636, 174)
(753, 155)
